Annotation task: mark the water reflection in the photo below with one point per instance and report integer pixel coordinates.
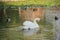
(30, 32)
(7, 34)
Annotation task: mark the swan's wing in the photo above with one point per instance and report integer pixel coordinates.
(28, 23)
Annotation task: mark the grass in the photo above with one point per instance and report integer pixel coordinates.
(40, 2)
(35, 2)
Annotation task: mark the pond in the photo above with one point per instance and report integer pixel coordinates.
(14, 34)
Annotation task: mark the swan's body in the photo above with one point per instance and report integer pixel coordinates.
(31, 25)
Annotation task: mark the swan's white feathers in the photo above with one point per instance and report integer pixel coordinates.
(28, 23)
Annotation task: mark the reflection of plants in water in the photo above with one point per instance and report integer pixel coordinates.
(11, 35)
(3, 34)
(49, 35)
(14, 16)
(46, 25)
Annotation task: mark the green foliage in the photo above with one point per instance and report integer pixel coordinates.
(40, 2)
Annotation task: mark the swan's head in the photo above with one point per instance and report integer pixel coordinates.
(37, 19)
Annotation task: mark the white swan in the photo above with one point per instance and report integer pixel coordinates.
(31, 25)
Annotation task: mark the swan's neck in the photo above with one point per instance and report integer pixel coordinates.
(35, 22)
